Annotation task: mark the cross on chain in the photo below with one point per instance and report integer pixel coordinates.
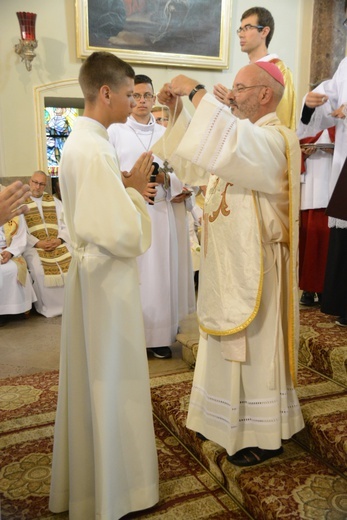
(166, 168)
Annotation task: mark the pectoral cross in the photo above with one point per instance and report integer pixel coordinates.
(166, 168)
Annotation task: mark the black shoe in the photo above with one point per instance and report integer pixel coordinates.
(253, 456)
(342, 322)
(307, 298)
(161, 352)
(4, 319)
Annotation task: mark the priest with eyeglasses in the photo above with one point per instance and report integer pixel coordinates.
(243, 395)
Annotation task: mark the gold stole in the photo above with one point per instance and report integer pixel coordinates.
(53, 262)
(10, 229)
(294, 163)
(286, 108)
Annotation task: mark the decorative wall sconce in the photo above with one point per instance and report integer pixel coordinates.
(27, 44)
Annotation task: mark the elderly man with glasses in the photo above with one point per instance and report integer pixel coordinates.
(255, 34)
(46, 254)
(243, 395)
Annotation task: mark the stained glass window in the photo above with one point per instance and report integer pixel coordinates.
(59, 123)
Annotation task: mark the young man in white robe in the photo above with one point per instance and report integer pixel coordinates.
(166, 271)
(104, 456)
(243, 395)
(46, 253)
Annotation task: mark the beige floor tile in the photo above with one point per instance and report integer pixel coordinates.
(32, 345)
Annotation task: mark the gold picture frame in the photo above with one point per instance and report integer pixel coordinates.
(174, 33)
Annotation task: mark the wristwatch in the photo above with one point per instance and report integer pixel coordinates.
(194, 91)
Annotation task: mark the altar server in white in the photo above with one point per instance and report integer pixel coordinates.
(104, 456)
(166, 271)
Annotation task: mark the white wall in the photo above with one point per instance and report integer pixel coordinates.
(21, 92)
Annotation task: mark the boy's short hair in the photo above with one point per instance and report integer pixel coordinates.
(142, 78)
(102, 68)
(265, 19)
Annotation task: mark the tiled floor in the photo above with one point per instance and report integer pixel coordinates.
(32, 345)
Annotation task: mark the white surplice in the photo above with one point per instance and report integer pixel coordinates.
(104, 458)
(14, 297)
(166, 273)
(335, 89)
(315, 180)
(49, 299)
(243, 393)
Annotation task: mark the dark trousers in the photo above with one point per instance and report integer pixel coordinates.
(334, 297)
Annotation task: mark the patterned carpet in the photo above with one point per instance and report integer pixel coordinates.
(308, 481)
(296, 485)
(323, 344)
(27, 407)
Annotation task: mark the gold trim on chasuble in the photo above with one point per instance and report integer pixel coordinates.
(56, 262)
(223, 210)
(10, 229)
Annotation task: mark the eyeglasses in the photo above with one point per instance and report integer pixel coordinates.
(161, 119)
(41, 184)
(248, 27)
(242, 88)
(146, 96)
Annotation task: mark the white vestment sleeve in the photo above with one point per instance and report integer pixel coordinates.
(176, 186)
(320, 118)
(235, 150)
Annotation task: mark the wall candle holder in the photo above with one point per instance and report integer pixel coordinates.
(27, 44)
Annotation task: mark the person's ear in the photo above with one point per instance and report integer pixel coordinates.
(105, 93)
(265, 95)
(265, 32)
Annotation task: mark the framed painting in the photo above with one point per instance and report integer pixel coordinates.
(175, 33)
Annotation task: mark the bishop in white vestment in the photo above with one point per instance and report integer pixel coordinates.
(243, 392)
